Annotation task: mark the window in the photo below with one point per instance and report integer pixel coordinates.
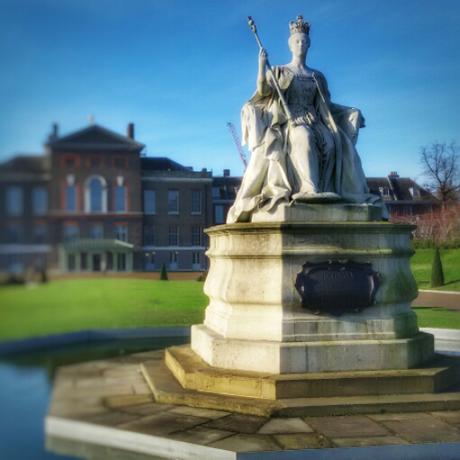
(197, 232)
(71, 198)
(84, 261)
(121, 262)
(71, 232)
(96, 194)
(196, 260)
(149, 201)
(173, 202)
(173, 260)
(216, 192)
(14, 201)
(149, 235)
(384, 191)
(219, 217)
(173, 235)
(196, 201)
(40, 233)
(121, 232)
(71, 265)
(14, 232)
(39, 201)
(120, 198)
(96, 231)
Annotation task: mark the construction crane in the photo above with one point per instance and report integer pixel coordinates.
(236, 140)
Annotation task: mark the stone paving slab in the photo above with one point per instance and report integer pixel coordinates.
(285, 425)
(247, 443)
(347, 426)
(134, 412)
(369, 441)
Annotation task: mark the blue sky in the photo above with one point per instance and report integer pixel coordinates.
(181, 69)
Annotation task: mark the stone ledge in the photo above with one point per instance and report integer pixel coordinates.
(316, 356)
(167, 390)
(194, 374)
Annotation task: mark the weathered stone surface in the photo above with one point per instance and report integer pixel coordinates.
(247, 443)
(238, 423)
(195, 374)
(302, 441)
(423, 428)
(346, 426)
(369, 441)
(198, 412)
(255, 320)
(111, 418)
(201, 435)
(146, 409)
(285, 425)
(448, 416)
(164, 423)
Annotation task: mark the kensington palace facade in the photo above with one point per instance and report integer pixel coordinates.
(94, 202)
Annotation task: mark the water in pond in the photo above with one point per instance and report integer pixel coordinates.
(25, 388)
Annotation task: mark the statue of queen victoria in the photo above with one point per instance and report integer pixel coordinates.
(302, 144)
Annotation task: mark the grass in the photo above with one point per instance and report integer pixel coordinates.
(437, 317)
(421, 267)
(77, 304)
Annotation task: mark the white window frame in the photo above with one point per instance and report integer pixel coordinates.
(14, 200)
(150, 199)
(194, 194)
(88, 194)
(173, 211)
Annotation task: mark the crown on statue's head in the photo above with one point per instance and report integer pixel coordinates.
(299, 26)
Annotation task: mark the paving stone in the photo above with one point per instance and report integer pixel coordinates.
(345, 426)
(198, 412)
(397, 416)
(302, 441)
(164, 423)
(424, 428)
(247, 443)
(451, 416)
(285, 425)
(146, 409)
(201, 435)
(111, 418)
(369, 441)
(127, 400)
(238, 423)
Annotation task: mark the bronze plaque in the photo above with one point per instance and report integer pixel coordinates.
(337, 287)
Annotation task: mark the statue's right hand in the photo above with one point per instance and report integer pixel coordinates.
(262, 58)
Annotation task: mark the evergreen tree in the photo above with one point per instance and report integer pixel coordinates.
(164, 273)
(437, 274)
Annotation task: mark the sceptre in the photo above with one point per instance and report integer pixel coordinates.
(252, 25)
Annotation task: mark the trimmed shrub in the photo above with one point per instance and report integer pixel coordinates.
(164, 273)
(202, 276)
(437, 274)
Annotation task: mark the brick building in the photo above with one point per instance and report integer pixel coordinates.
(94, 202)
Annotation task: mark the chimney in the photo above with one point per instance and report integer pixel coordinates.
(394, 174)
(130, 131)
(54, 132)
(226, 172)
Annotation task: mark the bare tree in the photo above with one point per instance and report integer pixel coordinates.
(441, 167)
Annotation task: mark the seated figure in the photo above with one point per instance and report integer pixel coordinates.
(302, 145)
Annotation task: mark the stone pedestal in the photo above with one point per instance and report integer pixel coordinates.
(255, 320)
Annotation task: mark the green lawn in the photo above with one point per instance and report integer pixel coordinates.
(72, 305)
(76, 304)
(421, 267)
(438, 317)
